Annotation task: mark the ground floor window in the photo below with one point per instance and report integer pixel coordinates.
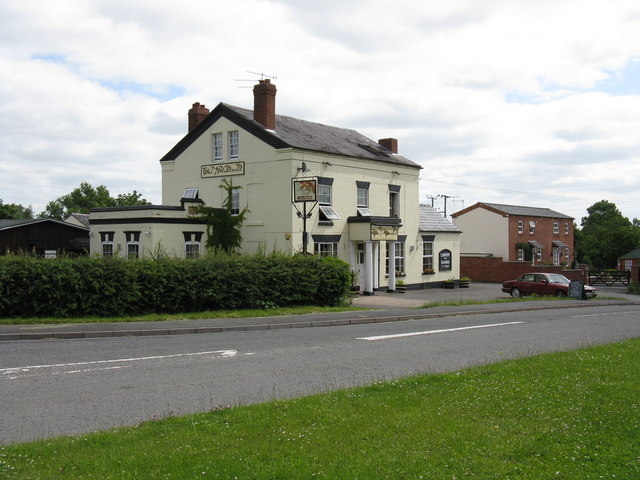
(427, 257)
(325, 249)
(192, 250)
(192, 242)
(399, 254)
(106, 239)
(133, 245)
(133, 250)
(520, 253)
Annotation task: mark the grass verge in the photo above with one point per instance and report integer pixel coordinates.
(268, 312)
(572, 415)
(457, 303)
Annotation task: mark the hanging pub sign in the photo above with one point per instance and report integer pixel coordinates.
(304, 189)
(222, 170)
(445, 260)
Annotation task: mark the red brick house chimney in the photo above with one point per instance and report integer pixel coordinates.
(264, 104)
(197, 113)
(390, 144)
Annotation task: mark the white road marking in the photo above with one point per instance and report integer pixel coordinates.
(43, 373)
(431, 332)
(605, 314)
(23, 370)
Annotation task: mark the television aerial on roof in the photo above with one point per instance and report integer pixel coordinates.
(253, 80)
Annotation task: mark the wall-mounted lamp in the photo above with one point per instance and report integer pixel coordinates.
(91, 234)
(395, 172)
(303, 168)
(328, 164)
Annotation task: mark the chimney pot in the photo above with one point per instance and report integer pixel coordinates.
(264, 104)
(390, 144)
(197, 113)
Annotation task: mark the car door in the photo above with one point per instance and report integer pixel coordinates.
(526, 283)
(541, 286)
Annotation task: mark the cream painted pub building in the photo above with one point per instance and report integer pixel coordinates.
(364, 210)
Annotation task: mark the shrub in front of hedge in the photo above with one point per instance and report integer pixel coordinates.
(88, 286)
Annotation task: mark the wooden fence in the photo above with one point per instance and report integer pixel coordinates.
(609, 277)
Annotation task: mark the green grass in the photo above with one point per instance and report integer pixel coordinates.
(573, 415)
(268, 312)
(458, 303)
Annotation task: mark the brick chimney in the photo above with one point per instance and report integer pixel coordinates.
(390, 144)
(197, 113)
(264, 104)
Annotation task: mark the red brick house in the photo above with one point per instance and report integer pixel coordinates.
(531, 236)
(630, 262)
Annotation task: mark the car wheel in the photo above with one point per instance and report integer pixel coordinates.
(561, 293)
(516, 293)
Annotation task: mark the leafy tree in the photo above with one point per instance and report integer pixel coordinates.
(86, 197)
(15, 211)
(605, 235)
(223, 226)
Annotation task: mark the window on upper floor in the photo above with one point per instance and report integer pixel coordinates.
(235, 201)
(217, 146)
(394, 201)
(556, 228)
(566, 229)
(326, 213)
(362, 194)
(532, 227)
(234, 147)
(324, 194)
(520, 227)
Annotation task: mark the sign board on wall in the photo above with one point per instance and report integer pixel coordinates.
(384, 233)
(304, 189)
(222, 169)
(445, 260)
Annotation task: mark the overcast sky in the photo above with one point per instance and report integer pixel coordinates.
(524, 102)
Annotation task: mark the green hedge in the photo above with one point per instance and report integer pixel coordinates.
(70, 287)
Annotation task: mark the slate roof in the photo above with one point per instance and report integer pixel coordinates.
(517, 210)
(292, 132)
(632, 254)
(433, 221)
(83, 218)
(6, 224)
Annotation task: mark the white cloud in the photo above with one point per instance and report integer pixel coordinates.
(505, 100)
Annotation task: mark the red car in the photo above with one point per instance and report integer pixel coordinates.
(542, 284)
